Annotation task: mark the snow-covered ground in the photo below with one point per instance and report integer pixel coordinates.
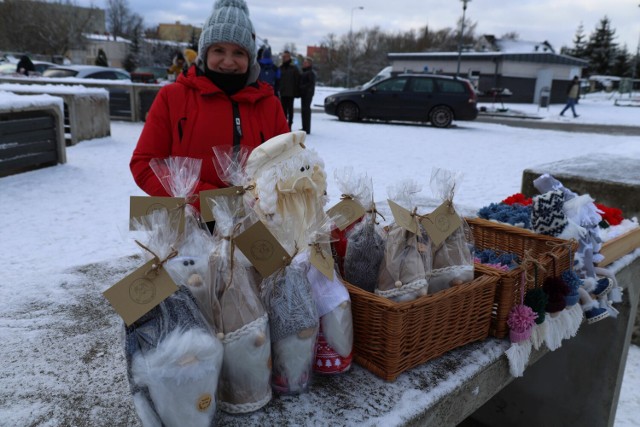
(75, 214)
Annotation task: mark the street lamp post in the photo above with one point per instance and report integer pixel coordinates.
(464, 9)
(351, 45)
(635, 65)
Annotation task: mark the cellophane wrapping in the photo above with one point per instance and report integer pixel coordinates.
(335, 338)
(173, 357)
(293, 317)
(406, 265)
(452, 259)
(241, 318)
(355, 186)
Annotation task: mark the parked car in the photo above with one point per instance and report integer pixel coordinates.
(87, 72)
(149, 74)
(10, 67)
(412, 97)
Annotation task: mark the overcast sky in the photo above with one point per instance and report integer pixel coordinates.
(304, 22)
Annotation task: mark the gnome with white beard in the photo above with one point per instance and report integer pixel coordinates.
(173, 356)
(240, 317)
(289, 185)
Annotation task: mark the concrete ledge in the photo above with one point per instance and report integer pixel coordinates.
(609, 179)
(87, 109)
(127, 101)
(24, 153)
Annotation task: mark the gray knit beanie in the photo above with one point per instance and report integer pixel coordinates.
(229, 23)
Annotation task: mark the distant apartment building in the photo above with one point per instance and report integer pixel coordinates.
(178, 32)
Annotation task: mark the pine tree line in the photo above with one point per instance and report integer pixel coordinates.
(605, 56)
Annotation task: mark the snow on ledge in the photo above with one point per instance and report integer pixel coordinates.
(54, 89)
(11, 102)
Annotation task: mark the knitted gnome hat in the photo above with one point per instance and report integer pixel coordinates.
(277, 150)
(229, 23)
(547, 215)
(537, 299)
(557, 290)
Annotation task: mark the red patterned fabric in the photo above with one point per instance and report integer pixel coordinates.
(327, 360)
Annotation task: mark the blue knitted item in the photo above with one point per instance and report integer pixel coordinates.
(515, 214)
(489, 256)
(573, 282)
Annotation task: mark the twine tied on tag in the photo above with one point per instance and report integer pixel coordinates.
(316, 246)
(232, 248)
(347, 197)
(528, 261)
(374, 213)
(156, 265)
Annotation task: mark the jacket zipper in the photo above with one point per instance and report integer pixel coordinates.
(237, 127)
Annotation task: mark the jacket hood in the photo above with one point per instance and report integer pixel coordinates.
(195, 79)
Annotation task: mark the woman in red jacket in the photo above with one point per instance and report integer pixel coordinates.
(216, 102)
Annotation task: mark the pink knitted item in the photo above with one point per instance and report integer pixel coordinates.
(521, 321)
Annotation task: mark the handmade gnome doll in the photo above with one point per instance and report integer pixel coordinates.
(407, 257)
(521, 322)
(335, 338)
(289, 185)
(242, 321)
(452, 259)
(191, 267)
(557, 290)
(362, 242)
(356, 189)
(537, 299)
(173, 356)
(364, 254)
(403, 269)
(293, 319)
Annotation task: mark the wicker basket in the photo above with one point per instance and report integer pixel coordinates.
(391, 337)
(553, 255)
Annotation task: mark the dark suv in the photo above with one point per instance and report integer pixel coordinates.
(414, 97)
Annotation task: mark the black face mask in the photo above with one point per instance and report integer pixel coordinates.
(229, 83)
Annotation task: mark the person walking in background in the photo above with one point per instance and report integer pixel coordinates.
(289, 85)
(218, 101)
(307, 90)
(269, 72)
(572, 96)
(178, 65)
(25, 66)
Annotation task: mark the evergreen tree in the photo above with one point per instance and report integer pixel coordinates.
(601, 49)
(622, 63)
(579, 43)
(132, 60)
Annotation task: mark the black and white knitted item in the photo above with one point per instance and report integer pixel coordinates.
(547, 215)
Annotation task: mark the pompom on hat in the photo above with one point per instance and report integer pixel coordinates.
(229, 23)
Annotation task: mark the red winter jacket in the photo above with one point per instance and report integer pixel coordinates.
(190, 116)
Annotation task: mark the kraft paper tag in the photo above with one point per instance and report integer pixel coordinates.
(441, 223)
(346, 212)
(139, 292)
(235, 196)
(262, 249)
(321, 260)
(140, 206)
(403, 217)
